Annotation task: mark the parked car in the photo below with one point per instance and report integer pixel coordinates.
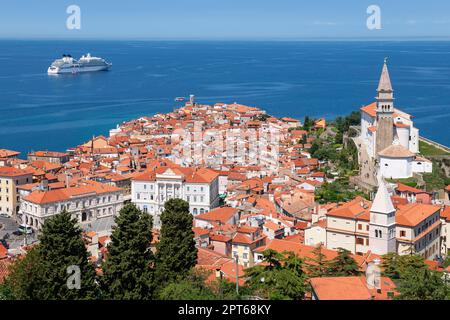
(25, 229)
(4, 215)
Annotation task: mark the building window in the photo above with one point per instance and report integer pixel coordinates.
(359, 226)
(402, 233)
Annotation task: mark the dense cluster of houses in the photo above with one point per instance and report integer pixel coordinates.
(240, 206)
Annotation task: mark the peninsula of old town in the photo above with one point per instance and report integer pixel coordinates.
(225, 201)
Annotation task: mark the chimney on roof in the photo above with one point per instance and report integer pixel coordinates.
(43, 186)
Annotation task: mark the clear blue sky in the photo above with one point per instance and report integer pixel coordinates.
(215, 19)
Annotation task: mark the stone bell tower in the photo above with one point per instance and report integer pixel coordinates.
(385, 111)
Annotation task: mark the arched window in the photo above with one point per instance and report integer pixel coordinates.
(194, 211)
(376, 233)
(202, 210)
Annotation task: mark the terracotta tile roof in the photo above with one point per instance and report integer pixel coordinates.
(223, 215)
(13, 172)
(5, 153)
(3, 251)
(272, 225)
(200, 231)
(358, 208)
(350, 288)
(53, 154)
(340, 288)
(445, 213)
(404, 188)
(57, 195)
(396, 151)
(219, 238)
(412, 214)
(370, 109)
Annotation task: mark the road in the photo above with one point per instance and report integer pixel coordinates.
(8, 227)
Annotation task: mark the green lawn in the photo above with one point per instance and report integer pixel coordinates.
(437, 179)
(412, 182)
(427, 149)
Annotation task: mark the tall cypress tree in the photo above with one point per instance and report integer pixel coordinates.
(176, 253)
(128, 270)
(62, 247)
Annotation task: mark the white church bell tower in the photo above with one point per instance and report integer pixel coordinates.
(382, 222)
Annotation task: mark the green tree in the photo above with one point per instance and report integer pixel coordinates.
(6, 292)
(422, 284)
(128, 269)
(191, 287)
(389, 265)
(318, 266)
(308, 123)
(395, 266)
(280, 277)
(23, 281)
(176, 253)
(61, 246)
(343, 264)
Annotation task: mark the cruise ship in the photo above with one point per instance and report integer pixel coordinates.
(86, 63)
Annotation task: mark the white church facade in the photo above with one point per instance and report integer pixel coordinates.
(389, 136)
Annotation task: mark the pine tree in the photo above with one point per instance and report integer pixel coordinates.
(422, 284)
(390, 265)
(343, 265)
(317, 266)
(395, 266)
(128, 270)
(62, 247)
(176, 253)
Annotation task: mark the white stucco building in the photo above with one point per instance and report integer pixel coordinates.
(151, 189)
(360, 226)
(86, 202)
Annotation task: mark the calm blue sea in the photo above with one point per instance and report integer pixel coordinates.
(293, 79)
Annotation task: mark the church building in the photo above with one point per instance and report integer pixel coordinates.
(389, 136)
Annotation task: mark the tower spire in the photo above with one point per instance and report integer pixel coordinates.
(385, 81)
(382, 202)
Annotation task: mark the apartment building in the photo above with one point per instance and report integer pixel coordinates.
(245, 241)
(348, 226)
(360, 225)
(418, 230)
(10, 179)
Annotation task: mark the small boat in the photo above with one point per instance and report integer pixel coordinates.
(180, 99)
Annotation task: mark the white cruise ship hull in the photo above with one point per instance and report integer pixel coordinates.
(76, 70)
